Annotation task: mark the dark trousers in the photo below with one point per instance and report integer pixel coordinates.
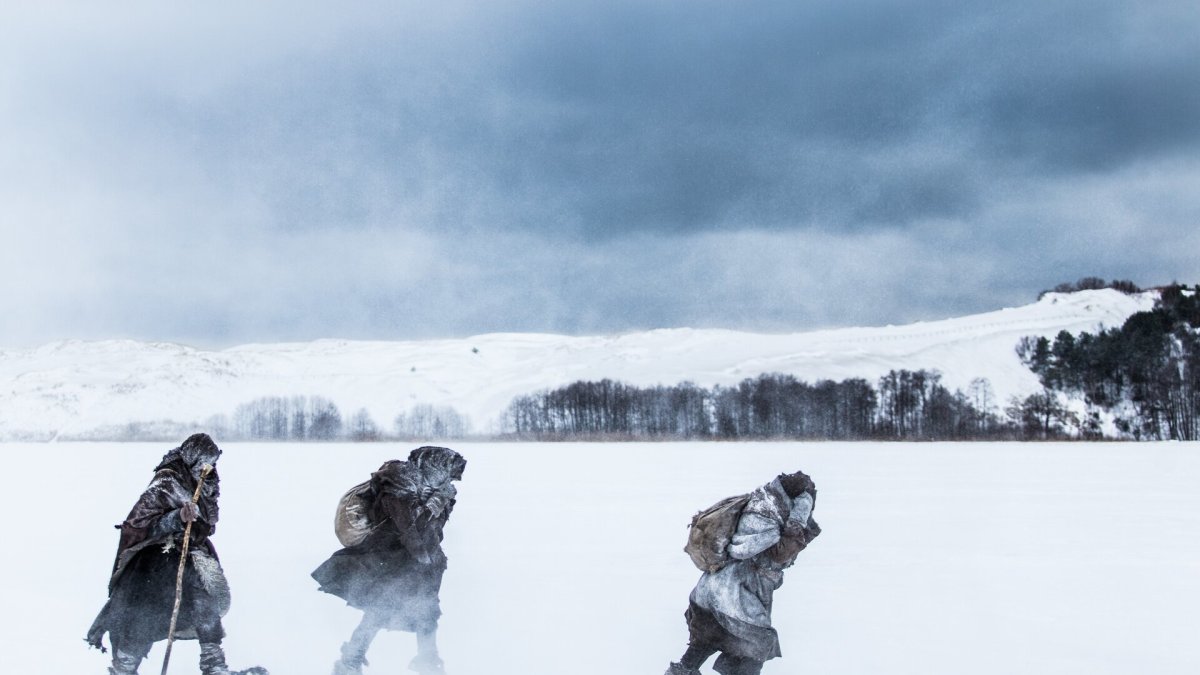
(698, 652)
(207, 634)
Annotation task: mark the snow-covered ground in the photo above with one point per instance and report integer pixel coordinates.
(1052, 559)
(71, 388)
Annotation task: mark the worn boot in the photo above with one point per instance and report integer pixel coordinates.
(427, 664)
(680, 669)
(124, 663)
(354, 657)
(212, 662)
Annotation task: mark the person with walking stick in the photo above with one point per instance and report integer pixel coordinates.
(167, 582)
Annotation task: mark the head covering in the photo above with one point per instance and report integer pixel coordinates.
(425, 480)
(199, 449)
(186, 461)
(443, 463)
(794, 484)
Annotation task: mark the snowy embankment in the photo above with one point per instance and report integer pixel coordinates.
(69, 389)
(988, 559)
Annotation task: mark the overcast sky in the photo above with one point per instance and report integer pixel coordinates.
(221, 173)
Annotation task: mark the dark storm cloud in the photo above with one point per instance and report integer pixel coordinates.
(684, 117)
(390, 170)
(679, 117)
(790, 114)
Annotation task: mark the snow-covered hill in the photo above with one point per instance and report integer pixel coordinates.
(70, 388)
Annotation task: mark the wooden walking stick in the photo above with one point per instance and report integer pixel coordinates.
(187, 533)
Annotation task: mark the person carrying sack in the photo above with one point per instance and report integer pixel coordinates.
(392, 562)
(743, 544)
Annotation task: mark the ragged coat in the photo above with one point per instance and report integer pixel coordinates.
(396, 572)
(730, 609)
(142, 586)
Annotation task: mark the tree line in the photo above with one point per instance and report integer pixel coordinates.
(903, 405)
(1094, 283)
(315, 418)
(1145, 374)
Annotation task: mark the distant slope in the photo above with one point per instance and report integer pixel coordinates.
(70, 388)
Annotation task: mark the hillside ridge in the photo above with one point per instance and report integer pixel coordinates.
(70, 387)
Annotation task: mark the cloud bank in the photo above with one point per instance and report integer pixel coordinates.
(224, 174)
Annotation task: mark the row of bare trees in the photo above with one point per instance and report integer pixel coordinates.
(906, 405)
(305, 418)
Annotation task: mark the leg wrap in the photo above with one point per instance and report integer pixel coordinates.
(427, 660)
(212, 659)
(354, 651)
(124, 663)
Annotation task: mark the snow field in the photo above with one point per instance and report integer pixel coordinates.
(567, 558)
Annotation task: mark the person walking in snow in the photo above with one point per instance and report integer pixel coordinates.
(141, 590)
(394, 572)
(729, 610)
